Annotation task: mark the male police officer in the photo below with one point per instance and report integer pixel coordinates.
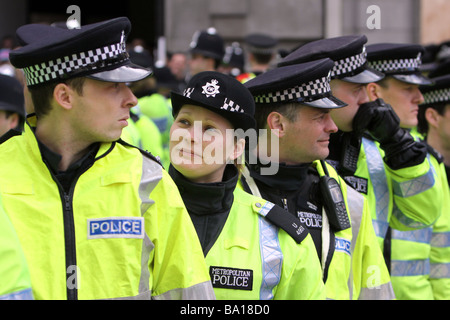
(293, 104)
(261, 53)
(12, 106)
(434, 125)
(422, 191)
(395, 178)
(97, 218)
(207, 49)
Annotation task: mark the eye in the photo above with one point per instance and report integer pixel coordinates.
(183, 121)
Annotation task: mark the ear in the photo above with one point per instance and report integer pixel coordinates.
(14, 120)
(373, 91)
(239, 148)
(63, 95)
(277, 123)
(432, 117)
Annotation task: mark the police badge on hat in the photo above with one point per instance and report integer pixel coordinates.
(210, 89)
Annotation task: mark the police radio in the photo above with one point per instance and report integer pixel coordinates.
(334, 202)
(351, 146)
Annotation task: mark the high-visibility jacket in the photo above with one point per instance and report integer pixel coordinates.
(251, 258)
(122, 230)
(143, 133)
(353, 260)
(159, 109)
(15, 283)
(420, 259)
(404, 199)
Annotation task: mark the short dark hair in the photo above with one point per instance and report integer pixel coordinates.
(43, 94)
(289, 110)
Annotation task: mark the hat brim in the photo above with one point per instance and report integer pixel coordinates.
(127, 73)
(413, 79)
(368, 75)
(237, 119)
(330, 102)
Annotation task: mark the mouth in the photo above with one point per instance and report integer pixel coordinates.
(124, 121)
(188, 153)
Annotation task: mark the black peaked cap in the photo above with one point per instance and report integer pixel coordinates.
(306, 83)
(399, 60)
(50, 53)
(347, 52)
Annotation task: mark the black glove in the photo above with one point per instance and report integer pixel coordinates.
(378, 118)
(383, 124)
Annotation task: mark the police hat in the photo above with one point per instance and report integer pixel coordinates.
(306, 83)
(51, 54)
(208, 43)
(401, 61)
(219, 93)
(261, 43)
(347, 52)
(11, 96)
(437, 93)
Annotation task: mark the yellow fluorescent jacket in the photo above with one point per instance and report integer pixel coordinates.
(123, 218)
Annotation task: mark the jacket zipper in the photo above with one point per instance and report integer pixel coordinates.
(70, 247)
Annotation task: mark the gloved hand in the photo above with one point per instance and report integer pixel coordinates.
(383, 124)
(378, 118)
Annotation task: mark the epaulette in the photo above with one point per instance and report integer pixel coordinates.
(434, 152)
(282, 219)
(144, 152)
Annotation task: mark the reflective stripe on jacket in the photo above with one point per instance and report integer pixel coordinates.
(420, 264)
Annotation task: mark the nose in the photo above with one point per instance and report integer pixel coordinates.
(331, 127)
(418, 97)
(130, 98)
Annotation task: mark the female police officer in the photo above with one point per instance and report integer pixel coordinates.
(248, 256)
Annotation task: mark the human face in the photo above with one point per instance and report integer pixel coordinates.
(443, 127)
(404, 99)
(307, 138)
(7, 123)
(354, 94)
(199, 63)
(201, 144)
(101, 111)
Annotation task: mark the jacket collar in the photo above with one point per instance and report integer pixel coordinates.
(207, 198)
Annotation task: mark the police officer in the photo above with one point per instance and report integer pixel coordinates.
(407, 252)
(233, 62)
(108, 217)
(206, 49)
(12, 106)
(293, 103)
(384, 162)
(261, 53)
(251, 253)
(430, 253)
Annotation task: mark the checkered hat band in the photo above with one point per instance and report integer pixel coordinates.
(349, 64)
(315, 87)
(55, 69)
(436, 96)
(396, 65)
